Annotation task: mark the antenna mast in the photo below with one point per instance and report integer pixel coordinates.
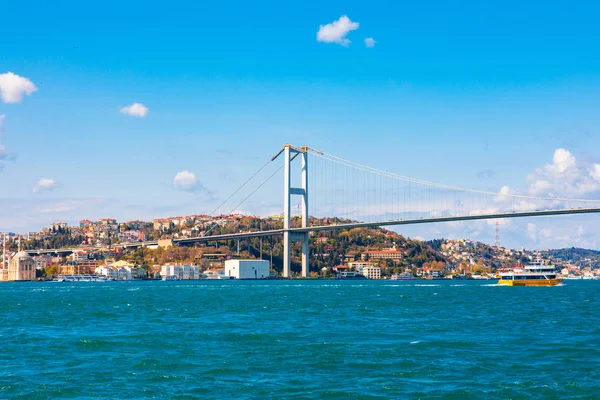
(497, 244)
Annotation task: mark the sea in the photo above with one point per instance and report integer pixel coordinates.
(299, 339)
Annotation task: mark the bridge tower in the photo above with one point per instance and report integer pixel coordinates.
(289, 154)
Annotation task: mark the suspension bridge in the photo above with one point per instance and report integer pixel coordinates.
(362, 196)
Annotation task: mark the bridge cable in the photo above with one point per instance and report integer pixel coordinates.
(247, 197)
(372, 170)
(240, 188)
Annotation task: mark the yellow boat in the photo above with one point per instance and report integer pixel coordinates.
(534, 274)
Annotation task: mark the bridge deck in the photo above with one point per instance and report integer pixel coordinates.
(351, 225)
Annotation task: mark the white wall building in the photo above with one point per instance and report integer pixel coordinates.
(191, 272)
(371, 272)
(109, 272)
(125, 273)
(359, 265)
(247, 269)
(186, 272)
(21, 268)
(170, 270)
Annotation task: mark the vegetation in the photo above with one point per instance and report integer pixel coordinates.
(328, 249)
(581, 257)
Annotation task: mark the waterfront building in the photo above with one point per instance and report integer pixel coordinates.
(170, 270)
(247, 269)
(21, 267)
(370, 271)
(107, 271)
(190, 272)
(86, 266)
(430, 273)
(183, 272)
(121, 270)
(127, 270)
(359, 265)
(125, 273)
(340, 268)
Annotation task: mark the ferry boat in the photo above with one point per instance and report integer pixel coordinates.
(535, 274)
(405, 276)
(170, 278)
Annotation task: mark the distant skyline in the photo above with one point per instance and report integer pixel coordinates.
(146, 110)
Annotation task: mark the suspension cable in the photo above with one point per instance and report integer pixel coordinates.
(372, 170)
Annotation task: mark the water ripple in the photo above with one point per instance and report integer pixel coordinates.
(299, 339)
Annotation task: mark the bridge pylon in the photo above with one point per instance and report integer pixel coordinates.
(290, 153)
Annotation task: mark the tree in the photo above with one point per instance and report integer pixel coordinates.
(51, 270)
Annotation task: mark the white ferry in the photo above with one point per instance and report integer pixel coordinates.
(535, 274)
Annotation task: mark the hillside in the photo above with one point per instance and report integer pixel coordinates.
(574, 255)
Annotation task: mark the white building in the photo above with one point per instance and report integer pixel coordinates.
(359, 265)
(120, 271)
(168, 270)
(21, 267)
(109, 272)
(191, 272)
(371, 272)
(385, 254)
(247, 269)
(186, 272)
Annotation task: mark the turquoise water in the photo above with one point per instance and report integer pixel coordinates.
(299, 339)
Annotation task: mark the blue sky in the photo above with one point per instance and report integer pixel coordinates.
(475, 94)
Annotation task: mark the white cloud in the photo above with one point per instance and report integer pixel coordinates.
(563, 160)
(186, 181)
(596, 171)
(370, 42)
(531, 231)
(31, 213)
(504, 190)
(563, 238)
(56, 210)
(13, 87)
(336, 31)
(538, 235)
(3, 155)
(565, 177)
(44, 184)
(545, 233)
(135, 110)
(539, 186)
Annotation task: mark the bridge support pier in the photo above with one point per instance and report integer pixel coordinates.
(290, 153)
